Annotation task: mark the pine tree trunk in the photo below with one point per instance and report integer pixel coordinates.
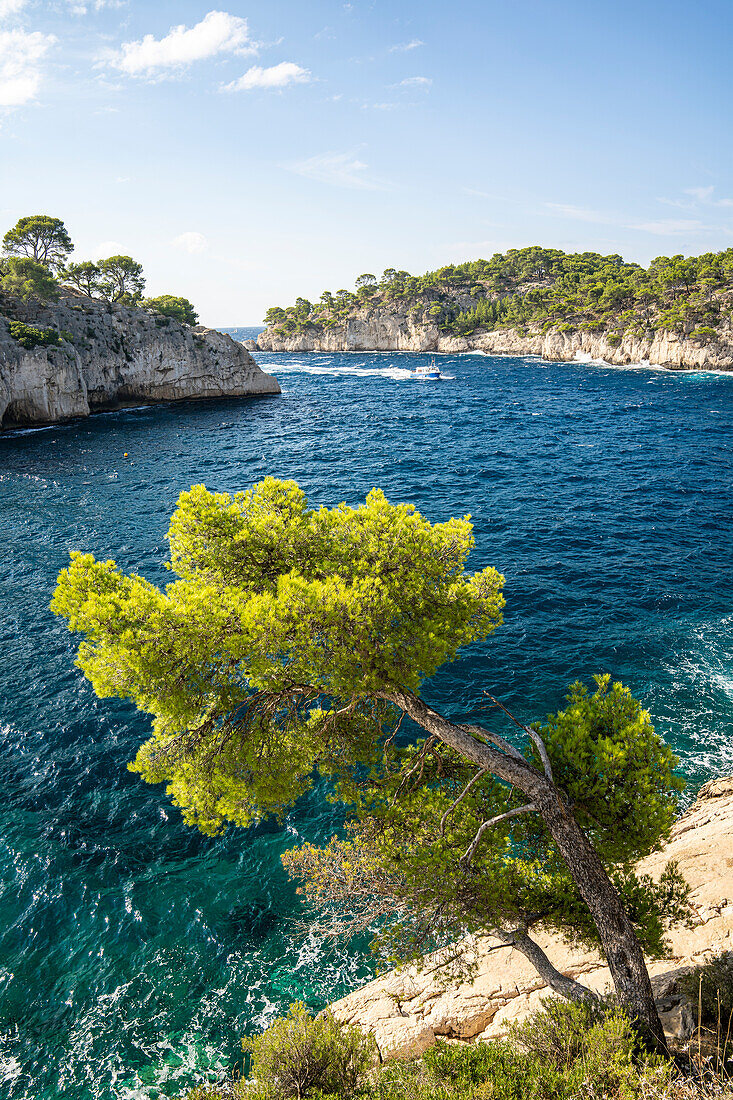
(616, 933)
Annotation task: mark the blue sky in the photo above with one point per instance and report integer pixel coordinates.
(246, 153)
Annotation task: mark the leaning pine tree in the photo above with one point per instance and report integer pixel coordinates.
(294, 642)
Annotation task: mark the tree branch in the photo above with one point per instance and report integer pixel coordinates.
(461, 796)
(534, 735)
(496, 739)
(471, 850)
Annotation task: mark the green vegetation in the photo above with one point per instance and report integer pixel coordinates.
(565, 1051)
(537, 289)
(710, 987)
(29, 337)
(34, 266)
(180, 309)
(295, 641)
(24, 278)
(301, 1054)
(117, 279)
(40, 238)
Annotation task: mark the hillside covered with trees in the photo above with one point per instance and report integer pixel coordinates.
(34, 268)
(535, 290)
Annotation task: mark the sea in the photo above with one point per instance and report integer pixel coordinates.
(135, 953)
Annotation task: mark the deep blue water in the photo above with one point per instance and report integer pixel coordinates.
(133, 952)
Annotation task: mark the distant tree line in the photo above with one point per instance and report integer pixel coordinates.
(537, 289)
(34, 265)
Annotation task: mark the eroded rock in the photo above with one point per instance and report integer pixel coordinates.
(116, 357)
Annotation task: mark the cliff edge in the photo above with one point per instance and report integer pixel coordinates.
(377, 331)
(112, 356)
(408, 1009)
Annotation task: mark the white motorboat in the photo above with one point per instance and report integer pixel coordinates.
(426, 374)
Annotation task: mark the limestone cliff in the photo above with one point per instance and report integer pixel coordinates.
(117, 356)
(397, 331)
(407, 1010)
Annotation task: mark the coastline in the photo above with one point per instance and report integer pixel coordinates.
(666, 349)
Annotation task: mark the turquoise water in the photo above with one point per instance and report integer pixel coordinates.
(133, 952)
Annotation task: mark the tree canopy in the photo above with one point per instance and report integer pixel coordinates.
(535, 289)
(40, 238)
(168, 305)
(295, 640)
(21, 277)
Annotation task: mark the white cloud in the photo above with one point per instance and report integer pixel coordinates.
(477, 194)
(403, 47)
(80, 7)
(698, 196)
(105, 249)
(277, 76)
(578, 213)
(217, 33)
(21, 53)
(191, 242)
(702, 194)
(415, 82)
(11, 7)
(339, 170)
(669, 226)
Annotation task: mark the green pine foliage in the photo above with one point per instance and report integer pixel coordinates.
(537, 289)
(30, 337)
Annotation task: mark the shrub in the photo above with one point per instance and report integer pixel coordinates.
(300, 1055)
(614, 339)
(168, 305)
(558, 1033)
(29, 337)
(703, 332)
(708, 983)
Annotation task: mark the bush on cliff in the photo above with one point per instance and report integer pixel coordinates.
(301, 1054)
(564, 1052)
(29, 337)
(168, 305)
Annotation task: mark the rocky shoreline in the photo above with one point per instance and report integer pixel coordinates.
(384, 332)
(113, 357)
(407, 1010)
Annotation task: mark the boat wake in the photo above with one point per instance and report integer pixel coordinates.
(339, 370)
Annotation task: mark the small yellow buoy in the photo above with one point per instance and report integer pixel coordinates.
(125, 455)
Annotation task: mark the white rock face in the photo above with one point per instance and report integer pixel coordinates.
(117, 357)
(408, 1009)
(381, 331)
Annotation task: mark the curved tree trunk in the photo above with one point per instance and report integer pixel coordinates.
(558, 983)
(618, 938)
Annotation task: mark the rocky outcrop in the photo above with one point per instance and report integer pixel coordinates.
(407, 1010)
(382, 331)
(115, 357)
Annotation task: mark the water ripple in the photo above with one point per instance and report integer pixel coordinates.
(135, 952)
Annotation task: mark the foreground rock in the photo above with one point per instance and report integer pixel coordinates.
(408, 1010)
(381, 331)
(116, 357)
